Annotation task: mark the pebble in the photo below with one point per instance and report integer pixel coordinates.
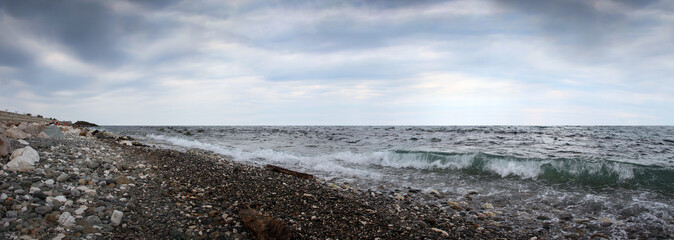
(42, 210)
(66, 220)
(63, 177)
(116, 218)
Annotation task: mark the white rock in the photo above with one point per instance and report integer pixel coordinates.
(23, 142)
(433, 191)
(116, 218)
(487, 206)
(17, 133)
(442, 232)
(126, 142)
(49, 183)
(61, 199)
(3, 197)
(59, 237)
(23, 159)
(66, 220)
(35, 190)
(81, 210)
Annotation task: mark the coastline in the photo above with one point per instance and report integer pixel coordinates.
(164, 194)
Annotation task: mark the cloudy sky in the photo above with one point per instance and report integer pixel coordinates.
(336, 62)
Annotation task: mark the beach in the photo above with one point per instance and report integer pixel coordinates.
(105, 186)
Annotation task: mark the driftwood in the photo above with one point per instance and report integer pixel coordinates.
(264, 227)
(291, 172)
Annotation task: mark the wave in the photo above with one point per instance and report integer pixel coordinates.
(366, 165)
(556, 170)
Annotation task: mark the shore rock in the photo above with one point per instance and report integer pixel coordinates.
(34, 129)
(66, 220)
(22, 159)
(15, 132)
(5, 147)
(116, 218)
(54, 132)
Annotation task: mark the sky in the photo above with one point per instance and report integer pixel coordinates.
(212, 62)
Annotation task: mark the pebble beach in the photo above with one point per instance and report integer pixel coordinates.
(102, 186)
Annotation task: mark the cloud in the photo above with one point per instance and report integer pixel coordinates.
(346, 62)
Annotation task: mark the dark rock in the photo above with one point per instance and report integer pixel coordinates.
(42, 210)
(84, 124)
(543, 218)
(54, 132)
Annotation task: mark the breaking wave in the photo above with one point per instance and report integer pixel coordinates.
(365, 165)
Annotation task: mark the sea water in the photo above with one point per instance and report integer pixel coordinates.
(621, 175)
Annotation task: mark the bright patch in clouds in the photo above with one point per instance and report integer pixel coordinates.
(333, 63)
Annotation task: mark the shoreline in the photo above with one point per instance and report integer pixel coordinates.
(166, 193)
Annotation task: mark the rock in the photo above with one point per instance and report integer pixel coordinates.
(122, 180)
(82, 181)
(42, 135)
(487, 206)
(15, 132)
(455, 205)
(60, 236)
(442, 232)
(53, 132)
(34, 128)
(93, 165)
(23, 142)
(93, 220)
(42, 210)
(81, 210)
(49, 183)
(5, 147)
(435, 140)
(116, 218)
(543, 218)
(63, 177)
(11, 214)
(22, 159)
(66, 220)
(52, 217)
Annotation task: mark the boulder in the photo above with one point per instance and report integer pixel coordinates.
(34, 128)
(54, 132)
(5, 146)
(22, 159)
(43, 135)
(17, 133)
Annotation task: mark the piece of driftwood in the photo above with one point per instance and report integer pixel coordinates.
(291, 172)
(264, 227)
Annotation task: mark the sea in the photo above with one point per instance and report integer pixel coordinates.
(621, 176)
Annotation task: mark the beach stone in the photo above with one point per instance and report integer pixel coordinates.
(49, 183)
(23, 142)
(5, 147)
(53, 132)
(11, 214)
(16, 133)
(82, 181)
(122, 180)
(93, 220)
(66, 220)
(116, 218)
(22, 159)
(93, 165)
(88, 229)
(63, 177)
(42, 135)
(487, 206)
(52, 217)
(34, 128)
(42, 210)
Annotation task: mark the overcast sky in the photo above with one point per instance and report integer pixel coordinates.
(340, 62)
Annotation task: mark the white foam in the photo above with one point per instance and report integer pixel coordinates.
(523, 169)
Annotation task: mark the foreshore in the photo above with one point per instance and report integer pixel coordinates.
(106, 187)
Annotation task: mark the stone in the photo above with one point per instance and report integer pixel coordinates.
(42, 210)
(22, 160)
(53, 132)
(5, 146)
(92, 165)
(487, 206)
(15, 132)
(63, 177)
(23, 142)
(93, 220)
(52, 217)
(442, 232)
(66, 220)
(122, 180)
(49, 183)
(42, 135)
(116, 218)
(82, 181)
(34, 128)
(11, 214)
(88, 229)
(81, 210)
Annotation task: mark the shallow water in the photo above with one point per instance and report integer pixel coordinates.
(622, 175)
